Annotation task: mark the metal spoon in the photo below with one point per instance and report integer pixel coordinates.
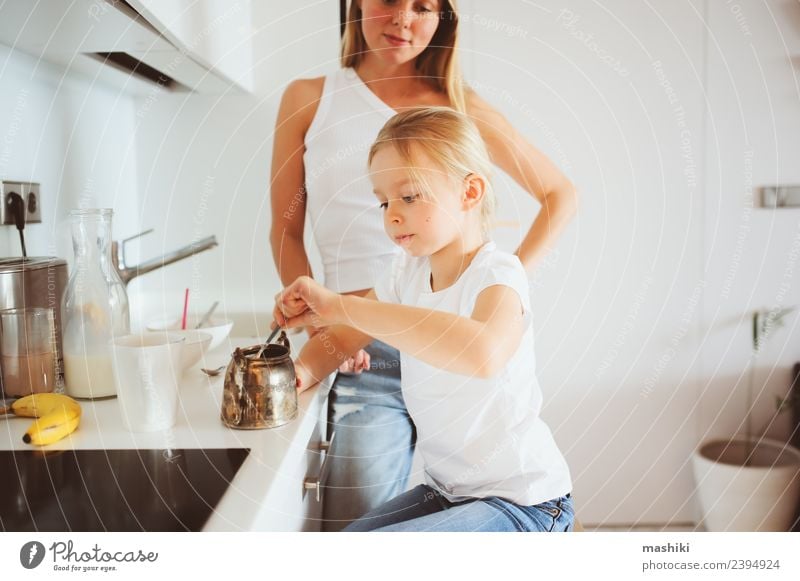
(272, 335)
(213, 372)
(207, 316)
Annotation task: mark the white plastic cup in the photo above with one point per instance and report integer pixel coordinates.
(147, 368)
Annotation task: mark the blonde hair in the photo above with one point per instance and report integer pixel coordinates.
(446, 137)
(437, 64)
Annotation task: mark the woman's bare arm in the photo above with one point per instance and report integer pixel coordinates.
(532, 170)
(287, 189)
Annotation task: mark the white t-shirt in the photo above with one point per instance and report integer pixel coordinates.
(478, 437)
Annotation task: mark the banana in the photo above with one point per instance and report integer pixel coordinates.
(51, 428)
(57, 416)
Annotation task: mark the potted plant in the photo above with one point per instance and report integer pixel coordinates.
(749, 482)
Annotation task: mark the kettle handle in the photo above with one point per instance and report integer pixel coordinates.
(239, 357)
(284, 340)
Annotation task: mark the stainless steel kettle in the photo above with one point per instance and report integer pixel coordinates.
(260, 392)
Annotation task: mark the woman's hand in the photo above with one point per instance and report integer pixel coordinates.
(304, 378)
(357, 363)
(532, 170)
(304, 303)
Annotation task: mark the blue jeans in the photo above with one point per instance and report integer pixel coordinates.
(374, 444)
(424, 509)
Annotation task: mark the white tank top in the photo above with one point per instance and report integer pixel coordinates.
(345, 215)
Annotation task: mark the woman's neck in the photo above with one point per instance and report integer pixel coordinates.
(449, 263)
(397, 79)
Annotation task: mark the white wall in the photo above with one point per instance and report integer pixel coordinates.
(73, 135)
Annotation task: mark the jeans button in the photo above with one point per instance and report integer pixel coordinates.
(554, 512)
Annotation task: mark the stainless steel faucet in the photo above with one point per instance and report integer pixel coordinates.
(128, 273)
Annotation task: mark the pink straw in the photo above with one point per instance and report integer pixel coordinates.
(185, 309)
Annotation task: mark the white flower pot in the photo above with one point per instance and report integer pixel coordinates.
(759, 497)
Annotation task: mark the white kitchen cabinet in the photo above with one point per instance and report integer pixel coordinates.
(291, 506)
(216, 34)
(139, 46)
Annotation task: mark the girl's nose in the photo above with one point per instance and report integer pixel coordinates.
(392, 215)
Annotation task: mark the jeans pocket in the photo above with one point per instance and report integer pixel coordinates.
(567, 520)
(560, 513)
(553, 512)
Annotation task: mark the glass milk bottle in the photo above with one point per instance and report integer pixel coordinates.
(94, 308)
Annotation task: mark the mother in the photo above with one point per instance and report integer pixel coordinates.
(395, 54)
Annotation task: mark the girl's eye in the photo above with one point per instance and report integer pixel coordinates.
(409, 199)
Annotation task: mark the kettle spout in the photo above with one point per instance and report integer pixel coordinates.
(128, 273)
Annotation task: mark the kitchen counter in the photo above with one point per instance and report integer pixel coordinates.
(267, 491)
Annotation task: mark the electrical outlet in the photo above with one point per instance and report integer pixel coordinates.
(30, 195)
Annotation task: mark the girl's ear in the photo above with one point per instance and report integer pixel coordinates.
(474, 190)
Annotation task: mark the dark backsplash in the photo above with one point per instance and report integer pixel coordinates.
(114, 490)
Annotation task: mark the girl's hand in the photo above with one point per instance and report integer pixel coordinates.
(304, 303)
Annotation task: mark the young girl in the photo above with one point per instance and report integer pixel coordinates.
(458, 309)
(395, 54)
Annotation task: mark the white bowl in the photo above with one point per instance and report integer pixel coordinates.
(196, 344)
(217, 327)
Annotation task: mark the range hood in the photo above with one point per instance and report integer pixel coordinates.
(116, 41)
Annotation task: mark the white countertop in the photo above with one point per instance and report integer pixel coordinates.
(247, 504)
